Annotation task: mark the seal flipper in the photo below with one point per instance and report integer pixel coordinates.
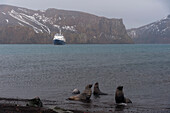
(101, 93)
(77, 97)
(127, 100)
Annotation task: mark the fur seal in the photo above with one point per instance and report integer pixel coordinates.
(97, 91)
(83, 96)
(119, 96)
(76, 91)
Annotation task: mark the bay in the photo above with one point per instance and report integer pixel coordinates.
(52, 72)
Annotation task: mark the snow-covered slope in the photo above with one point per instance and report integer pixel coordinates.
(157, 32)
(77, 27)
(38, 21)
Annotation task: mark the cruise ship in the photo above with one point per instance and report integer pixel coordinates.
(59, 39)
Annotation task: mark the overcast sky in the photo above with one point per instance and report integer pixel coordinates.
(135, 13)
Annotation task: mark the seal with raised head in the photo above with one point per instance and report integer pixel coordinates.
(97, 91)
(119, 96)
(83, 96)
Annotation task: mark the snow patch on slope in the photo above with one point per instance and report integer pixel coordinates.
(59, 18)
(23, 10)
(42, 11)
(20, 24)
(20, 18)
(165, 29)
(25, 18)
(38, 21)
(3, 13)
(43, 18)
(31, 18)
(160, 27)
(71, 28)
(7, 20)
(57, 26)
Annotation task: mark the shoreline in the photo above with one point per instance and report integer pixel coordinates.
(13, 105)
(16, 105)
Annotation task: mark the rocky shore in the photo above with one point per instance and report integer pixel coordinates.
(12, 108)
(12, 105)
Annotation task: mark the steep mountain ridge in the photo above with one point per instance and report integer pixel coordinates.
(21, 25)
(155, 33)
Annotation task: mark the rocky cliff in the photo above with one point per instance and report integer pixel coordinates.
(155, 33)
(21, 25)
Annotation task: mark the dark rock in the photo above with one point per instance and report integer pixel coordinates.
(76, 91)
(35, 102)
(168, 17)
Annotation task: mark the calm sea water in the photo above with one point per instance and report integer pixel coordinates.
(52, 72)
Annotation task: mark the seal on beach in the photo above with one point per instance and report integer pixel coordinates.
(119, 96)
(35, 102)
(76, 91)
(97, 91)
(83, 96)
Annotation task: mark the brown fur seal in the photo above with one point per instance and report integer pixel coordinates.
(119, 96)
(83, 96)
(97, 91)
